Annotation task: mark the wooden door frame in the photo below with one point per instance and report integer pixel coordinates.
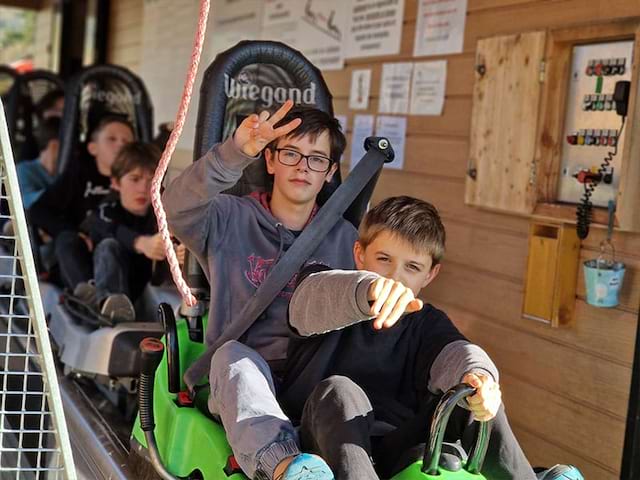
(630, 469)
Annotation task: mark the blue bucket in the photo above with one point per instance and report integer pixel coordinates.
(603, 279)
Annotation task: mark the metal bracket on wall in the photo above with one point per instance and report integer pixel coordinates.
(543, 71)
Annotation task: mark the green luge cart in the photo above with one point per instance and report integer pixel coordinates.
(186, 442)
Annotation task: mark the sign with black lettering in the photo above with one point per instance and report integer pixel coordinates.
(375, 28)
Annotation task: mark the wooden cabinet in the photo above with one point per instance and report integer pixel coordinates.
(552, 267)
(517, 124)
(506, 100)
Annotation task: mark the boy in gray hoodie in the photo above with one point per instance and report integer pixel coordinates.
(365, 348)
(236, 241)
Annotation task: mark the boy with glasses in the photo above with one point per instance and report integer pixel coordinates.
(237, 240)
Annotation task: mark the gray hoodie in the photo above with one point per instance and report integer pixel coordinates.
(236, 241)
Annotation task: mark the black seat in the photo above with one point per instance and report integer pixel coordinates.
(22, 117)
(254, 76)
(7, 77)
(94, 92)
(97, 91)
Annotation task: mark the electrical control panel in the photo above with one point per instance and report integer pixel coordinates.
(592, 126)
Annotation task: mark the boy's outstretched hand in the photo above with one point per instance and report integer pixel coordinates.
(391, 300)
(485, 403)
(257, 131)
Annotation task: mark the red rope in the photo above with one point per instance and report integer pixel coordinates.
(176, 273)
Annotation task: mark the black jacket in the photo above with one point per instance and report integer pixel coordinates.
(392, 365)
(65, 204)
(111, 220)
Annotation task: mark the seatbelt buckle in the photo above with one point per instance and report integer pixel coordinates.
(184, 399)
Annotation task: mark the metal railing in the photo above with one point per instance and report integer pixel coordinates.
(34, 441)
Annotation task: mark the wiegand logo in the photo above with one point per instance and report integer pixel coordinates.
(267, 94)
(115, 98)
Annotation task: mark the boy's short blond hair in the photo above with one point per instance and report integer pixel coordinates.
(416, 221)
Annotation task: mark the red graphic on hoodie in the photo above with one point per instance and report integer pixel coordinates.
(259, 268)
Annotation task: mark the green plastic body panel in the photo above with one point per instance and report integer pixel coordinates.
(414, 472)
(191, 441)
(188, 440)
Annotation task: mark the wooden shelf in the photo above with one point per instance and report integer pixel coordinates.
(567, 213)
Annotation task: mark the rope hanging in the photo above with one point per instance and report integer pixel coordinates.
(176, 273)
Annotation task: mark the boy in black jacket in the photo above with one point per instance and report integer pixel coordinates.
(344, 370)
(65, 204)
(123, 234)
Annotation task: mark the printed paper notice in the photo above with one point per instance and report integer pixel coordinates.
(375, 28)
(395, 130)
(394, 87)
(439, 27)
(317, 28)
(323, 31)
(428, 88)
(360, 86)
(362, 128)
(280, 21)
(232, 21)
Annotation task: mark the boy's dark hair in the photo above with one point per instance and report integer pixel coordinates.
(48, 129)
(108, 120)
(48, 100)
(135, 155)
(416, 221)
(314, 122)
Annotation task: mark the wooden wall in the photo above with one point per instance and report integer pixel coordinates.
(565, 390)
(125, 33)
(46, 41)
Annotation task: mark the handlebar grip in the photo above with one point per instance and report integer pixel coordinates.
(152, 350)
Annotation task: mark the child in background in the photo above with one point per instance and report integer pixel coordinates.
(65, 204)
(34, 176)
(124, 234)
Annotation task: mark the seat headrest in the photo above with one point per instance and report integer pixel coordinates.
(27, 90)
(95, 92)
(7, 76)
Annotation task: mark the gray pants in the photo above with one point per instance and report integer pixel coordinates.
(338, 421)
(243, 396)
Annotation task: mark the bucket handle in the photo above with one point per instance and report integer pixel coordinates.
(603, 252)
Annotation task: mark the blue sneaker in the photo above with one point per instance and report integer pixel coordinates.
(560, 472)
(307, 467)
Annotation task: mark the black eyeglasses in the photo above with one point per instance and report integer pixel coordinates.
(291, 158)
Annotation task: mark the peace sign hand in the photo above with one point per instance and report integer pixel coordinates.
(257, 131)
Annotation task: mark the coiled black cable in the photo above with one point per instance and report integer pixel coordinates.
(152, 350)
(145, 402)
(584, 212)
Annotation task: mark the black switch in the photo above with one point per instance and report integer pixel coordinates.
(621, 97)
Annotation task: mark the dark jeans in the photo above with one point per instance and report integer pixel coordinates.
(74, 259)
(118, 270)
(337, 423)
